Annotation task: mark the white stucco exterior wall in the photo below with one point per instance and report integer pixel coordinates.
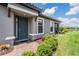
(34, 34)
(46, 25)
(6, 25)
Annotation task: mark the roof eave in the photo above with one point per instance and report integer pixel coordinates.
(48, 17)
(4, 4)
(29, 5)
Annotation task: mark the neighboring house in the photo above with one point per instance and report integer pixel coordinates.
(19, 22)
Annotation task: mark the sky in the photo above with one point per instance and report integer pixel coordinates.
(68, 13)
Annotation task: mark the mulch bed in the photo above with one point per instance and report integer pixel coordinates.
(39, 41)
(2, 52)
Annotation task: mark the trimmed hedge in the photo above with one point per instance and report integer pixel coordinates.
(48, 46)
(44, 50)
(50, 40)
(52, 43)
(47, 37)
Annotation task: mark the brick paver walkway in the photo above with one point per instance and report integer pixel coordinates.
(20, 48)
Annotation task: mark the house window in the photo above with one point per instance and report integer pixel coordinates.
(51, 26)
(40, 26)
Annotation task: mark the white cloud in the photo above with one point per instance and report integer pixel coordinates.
(50, 11)
(70, 22)
(74, 4)
(62, 19)
(43, 3)
(74, 9)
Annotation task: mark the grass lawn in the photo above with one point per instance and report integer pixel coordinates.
(68, 44)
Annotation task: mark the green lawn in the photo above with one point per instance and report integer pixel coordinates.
(68, 44)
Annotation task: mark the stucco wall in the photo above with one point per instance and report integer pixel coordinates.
(30, 22)
(6, 24)
(34, 33)
(34, 26)
(46, 25)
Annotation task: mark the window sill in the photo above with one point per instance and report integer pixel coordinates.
(51, 32)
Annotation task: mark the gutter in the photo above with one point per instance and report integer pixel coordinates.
(29, 5)
(45, 16)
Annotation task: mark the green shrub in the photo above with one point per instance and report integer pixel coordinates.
(46, 47)
(44, 50)
(50, 40)
(29, 53)
(63, 30)
(46, 37)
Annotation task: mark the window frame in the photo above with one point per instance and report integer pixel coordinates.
(37, 25)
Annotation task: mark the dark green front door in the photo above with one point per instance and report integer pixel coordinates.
(22, 28)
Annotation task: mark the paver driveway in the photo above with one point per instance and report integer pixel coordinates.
(22, 47)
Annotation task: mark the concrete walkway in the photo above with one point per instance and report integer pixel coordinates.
(22, 47)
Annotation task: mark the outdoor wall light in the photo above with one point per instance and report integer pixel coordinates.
(36, 18)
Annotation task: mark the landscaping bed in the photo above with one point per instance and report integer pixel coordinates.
(39, 41)
(47, 46)
(5, 48)
(61, 45)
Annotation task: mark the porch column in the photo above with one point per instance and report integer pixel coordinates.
(34, 30)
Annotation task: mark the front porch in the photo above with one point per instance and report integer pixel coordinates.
(23, 21)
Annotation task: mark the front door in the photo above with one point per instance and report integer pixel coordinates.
(22, 28)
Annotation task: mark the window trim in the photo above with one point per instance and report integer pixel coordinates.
(43, 25)
(53, 26)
